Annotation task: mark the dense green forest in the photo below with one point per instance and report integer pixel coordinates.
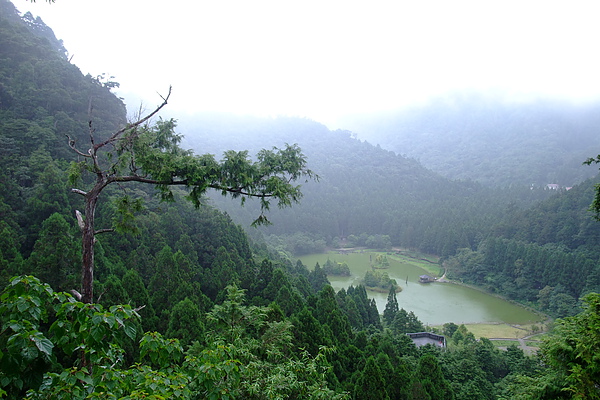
(188, 306)
(364, 189)
(545, 255)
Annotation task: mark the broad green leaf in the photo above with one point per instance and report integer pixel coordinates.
(43, 344)
(29, 353)
(130, 331)
(22, 305)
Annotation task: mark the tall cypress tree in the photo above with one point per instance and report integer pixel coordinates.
(429, 379)
(391, 308)
(371, 384)
(54, 256)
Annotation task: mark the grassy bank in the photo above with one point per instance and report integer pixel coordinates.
(498, 331)
(425, 261)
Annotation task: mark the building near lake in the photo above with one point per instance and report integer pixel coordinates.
(424, 338)
(426, 279)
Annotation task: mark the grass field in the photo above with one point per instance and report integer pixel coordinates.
(426, 262)
(506, 333)
(540, 336)
(498, 331)
(505, 343)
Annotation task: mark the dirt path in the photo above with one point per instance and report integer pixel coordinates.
(529, 350)
(443, 277)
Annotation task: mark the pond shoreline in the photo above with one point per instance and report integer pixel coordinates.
(545, 320)
(544, 317)
(434, 304)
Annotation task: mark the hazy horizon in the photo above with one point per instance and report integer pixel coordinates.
(325, 61)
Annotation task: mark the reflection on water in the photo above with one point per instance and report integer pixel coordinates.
(434, 303)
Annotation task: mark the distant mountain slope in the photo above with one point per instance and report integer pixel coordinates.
(547, 253)
(37, 82)
(490, 140)
(564, 219)
(363, 188)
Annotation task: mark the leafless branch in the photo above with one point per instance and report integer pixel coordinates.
(101, 294)
(105, 230)
(139, 122)
(90, 125)
(79, 191)
(76, 150)
(79, 219)
(92, 130)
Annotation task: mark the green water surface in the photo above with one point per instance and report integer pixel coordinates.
(434, 303)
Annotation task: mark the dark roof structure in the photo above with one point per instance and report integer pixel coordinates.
(424, 338)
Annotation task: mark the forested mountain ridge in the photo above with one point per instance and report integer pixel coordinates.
(364, 189)
(174, 273)
(43, 99)
(546, 254)
(34, 25)
(564, 219)
(491, 139)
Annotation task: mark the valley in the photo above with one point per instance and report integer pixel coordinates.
(175, 256)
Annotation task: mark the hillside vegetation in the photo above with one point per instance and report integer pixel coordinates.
(364, 189)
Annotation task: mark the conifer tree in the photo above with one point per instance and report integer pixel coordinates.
(317, 278)
(391, 307)
(429, 379)
(54, 256)
(185, 322)
(371, 385)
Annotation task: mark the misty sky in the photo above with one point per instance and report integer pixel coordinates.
(323, 59)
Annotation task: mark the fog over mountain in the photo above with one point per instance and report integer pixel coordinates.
(492, 139)
(328, 60)
(445, 84)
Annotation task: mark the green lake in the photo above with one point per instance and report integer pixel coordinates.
(434, 303)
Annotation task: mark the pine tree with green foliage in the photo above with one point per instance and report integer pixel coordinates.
(308, 332)
(318, 278)
(391, 307)
(185, 323)
(140, 299)
(371, 384)
(54, 257)
(428, 379)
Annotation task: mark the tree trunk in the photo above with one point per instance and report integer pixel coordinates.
(88, 236)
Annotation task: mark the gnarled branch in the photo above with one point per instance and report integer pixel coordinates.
(76, 150)
(139, 122)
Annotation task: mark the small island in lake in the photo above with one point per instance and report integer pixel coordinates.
(336, 268)
(380, 282)
(381, 262)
